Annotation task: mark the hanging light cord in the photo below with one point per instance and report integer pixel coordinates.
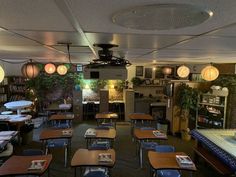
(68, 50)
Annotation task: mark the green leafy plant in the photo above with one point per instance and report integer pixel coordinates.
(187, 97)
(136, 81)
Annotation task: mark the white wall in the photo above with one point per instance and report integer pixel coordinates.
(11, 69)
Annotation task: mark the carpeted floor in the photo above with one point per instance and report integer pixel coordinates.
(126, 158)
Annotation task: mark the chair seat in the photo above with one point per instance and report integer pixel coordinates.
(168, 173)
(57, 143)
(96, 174)
(149, 145)
(100, 145)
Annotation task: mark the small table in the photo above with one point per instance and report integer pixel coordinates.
(107, 116)
(18, 105)
(160, 161)
(85, 158)
(109, 134)
(142, 135)
(18, 165)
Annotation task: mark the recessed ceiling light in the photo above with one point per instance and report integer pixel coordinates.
(161, 16)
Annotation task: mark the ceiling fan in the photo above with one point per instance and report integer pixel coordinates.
(106, 57)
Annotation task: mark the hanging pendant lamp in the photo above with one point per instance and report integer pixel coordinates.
(2, 73)
(50, 68)
(183, 71)
(209, 73)
(62, 69)
(30, 70)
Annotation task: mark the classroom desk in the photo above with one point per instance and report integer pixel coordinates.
(106, 116)
(160, 161)
(135, 117)
(144, 135)
(49, 134)
(109, 134)
(57, 118)
(18, 165)
(89, 158)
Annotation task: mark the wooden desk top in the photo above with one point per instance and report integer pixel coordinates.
(85, 157)
(109, 115)
(166, 161)
(18, 165)
(55, 134)
(105, 134)
(147, 134)
(61, 117)
(140, 116)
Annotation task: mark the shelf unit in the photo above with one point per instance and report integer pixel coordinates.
(211, 112)
(3, 91)
(16, 88)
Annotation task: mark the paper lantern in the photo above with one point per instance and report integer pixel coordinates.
(30, 70)
(167, 70)
(183, 71)
(50, 68)
(2, 73)
(209, 73)
(62, 69)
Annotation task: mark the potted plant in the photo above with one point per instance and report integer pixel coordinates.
(187, 101)
(136, 81)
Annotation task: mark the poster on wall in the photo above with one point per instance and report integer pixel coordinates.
(139, 70)
(148, 73)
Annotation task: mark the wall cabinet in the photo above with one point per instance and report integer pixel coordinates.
(211, 112)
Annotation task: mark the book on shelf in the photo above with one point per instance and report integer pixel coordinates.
(184, 161)
(37, 165)
(105, 158)
(157, 133)
(91, 132)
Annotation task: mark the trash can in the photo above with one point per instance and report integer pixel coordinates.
(26, 132)
(163, 125)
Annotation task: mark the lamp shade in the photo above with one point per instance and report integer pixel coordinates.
(209, 73)
(62, 69)
(167, 70)
(30, 70)
(2, 73)
(183, 71)
(50, 68)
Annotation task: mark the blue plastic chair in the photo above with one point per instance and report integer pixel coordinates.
(148, 145)
(166, 173)
(100, 145)
(96, 172)
(58, 143)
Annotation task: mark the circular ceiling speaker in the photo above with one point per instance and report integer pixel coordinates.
(161, 16)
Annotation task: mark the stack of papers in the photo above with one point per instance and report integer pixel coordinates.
(37, 165)
(91, 132)
(184, 161)
(158, 133)
(105, 158)
(67, 132)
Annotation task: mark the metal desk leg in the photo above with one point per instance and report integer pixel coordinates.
(141, 154)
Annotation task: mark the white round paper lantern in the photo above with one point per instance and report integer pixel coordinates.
(62, 69)
(2, 74)
(209, 73)
(50, 68)
(183, 71)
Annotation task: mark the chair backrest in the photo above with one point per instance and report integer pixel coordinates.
(31, 152)
(164, 148)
